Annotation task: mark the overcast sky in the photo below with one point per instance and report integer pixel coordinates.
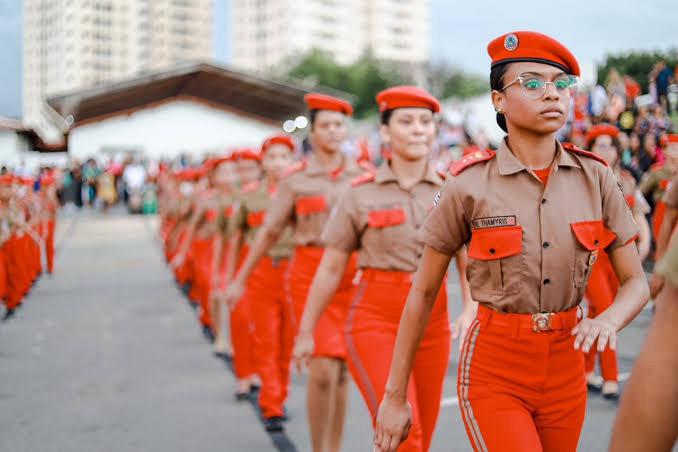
(461, 31)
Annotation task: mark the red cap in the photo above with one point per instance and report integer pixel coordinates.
(47, 180)
(213, 162)
(316, 101)
(672, 138)
(246, 154)
(601, 129)
(532, 46)
(285, 140)
(6, 179)
(406, 97)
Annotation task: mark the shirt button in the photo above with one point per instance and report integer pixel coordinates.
(543, 201)
(547, 282)
(546, 245)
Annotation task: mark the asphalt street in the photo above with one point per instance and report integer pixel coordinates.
(106, 355)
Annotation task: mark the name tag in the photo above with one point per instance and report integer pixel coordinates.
(494, 222)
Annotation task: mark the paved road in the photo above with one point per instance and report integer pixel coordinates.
(106, 356)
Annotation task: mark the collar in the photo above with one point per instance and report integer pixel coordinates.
(315, 168)
(508, 163)
(385, 174)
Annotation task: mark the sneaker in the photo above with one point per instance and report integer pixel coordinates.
(274, 424)
(610, 390)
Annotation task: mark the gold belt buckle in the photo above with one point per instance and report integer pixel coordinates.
(541, 322)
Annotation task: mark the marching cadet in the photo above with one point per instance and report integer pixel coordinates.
(603, 284)
(655, 183)
(201, 234)
(269, 308)
(668, 226)
(305, 197)
(379, 218)
(534, 214)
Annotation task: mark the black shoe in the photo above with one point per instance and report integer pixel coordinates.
(223, 355)
(274, 424)
(9, 314)
(242, 396)
(208, 333)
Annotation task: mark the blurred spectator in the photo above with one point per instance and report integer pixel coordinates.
(659, 121)
(642, 121)
(71, 192)
(106, 192)
(664, 78)
(90, 173)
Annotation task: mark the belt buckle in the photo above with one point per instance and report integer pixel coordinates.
(541, 322)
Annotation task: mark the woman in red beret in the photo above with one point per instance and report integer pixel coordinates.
(379, 218)
(534, 215)
(270, 312)
(603, 283)
(305, 197)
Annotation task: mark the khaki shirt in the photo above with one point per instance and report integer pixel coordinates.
(668, 267)
(655, 182)
(306, 197)
(634, 198)
(380, 219)
(671, 195)
(250, 213)
(531, 248)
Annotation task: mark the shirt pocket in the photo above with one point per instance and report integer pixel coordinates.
(385, 218)
(591, 238)
(309, 205)
(256, 219)
(496, 262)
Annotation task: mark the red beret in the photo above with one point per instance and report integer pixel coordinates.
(601, 129)
(6, 179)
(672, 138)
(46, 180)
(406, 97)
(246, 154)
(285, 140)
(532, 46)
(316, 101)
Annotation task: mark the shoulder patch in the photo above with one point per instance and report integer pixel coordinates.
(252, 186)
(574, 149)
(469, 160)
(363, 179)
(295, 168)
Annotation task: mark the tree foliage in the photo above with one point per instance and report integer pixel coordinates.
(367, 76)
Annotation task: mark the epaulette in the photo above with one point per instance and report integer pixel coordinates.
(295, 168)
(250, 187)
(469, 160)
(572, 148)
(363, 179)
(366, 165)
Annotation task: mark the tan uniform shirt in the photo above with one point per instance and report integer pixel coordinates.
(531, 248)
(634, 198)
(654, 183)
(306, 198)
(380, 219)
(671, 195)
(250, 213)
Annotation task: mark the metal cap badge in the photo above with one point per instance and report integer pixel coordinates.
(511, 42)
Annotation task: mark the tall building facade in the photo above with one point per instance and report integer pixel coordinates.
(264, 33)
(75, 44)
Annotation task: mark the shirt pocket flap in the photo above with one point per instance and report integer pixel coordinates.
(211, 214)
(228, 212)
(593, 235)
(255, 219)
(307, 205)
(385, 218)
(496, 243)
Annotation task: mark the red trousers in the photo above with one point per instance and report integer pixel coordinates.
(600, 293)
(3, 274)
(274, 333)
(49, 245)
(18, 277)
(329, 333)
(371, 331)
(520, 390)
(242, 331)
(658, 218)
(201, 277)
